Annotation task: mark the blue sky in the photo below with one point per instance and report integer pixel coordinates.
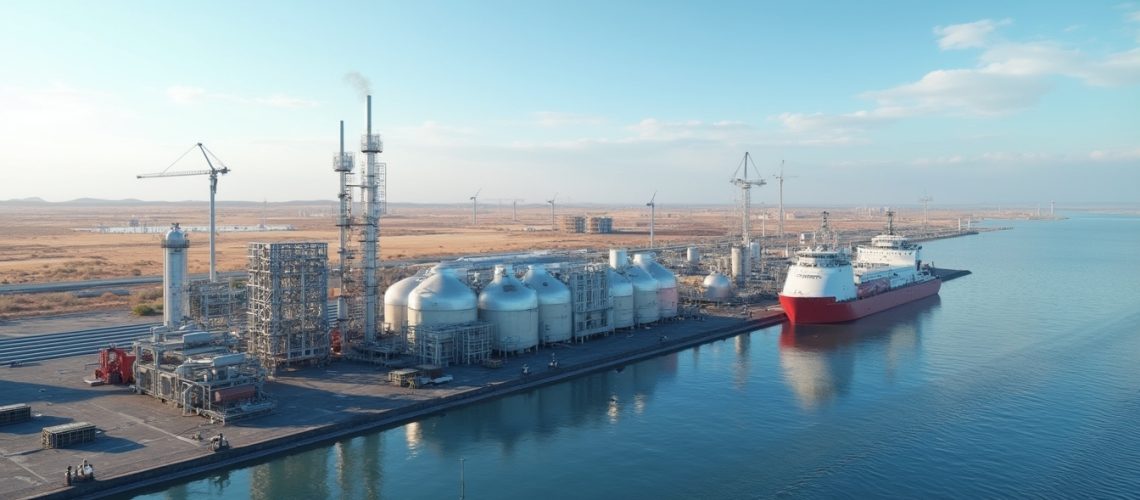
(867, 102)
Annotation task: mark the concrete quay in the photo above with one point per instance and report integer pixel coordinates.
(145, 443)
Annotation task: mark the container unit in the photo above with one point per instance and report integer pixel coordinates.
(10, 414)
(621, 290)
(512, 309)
(666, 283)
(717, 286)
(441, 299)
(646, 308)
(555, 323)
(396, 303)
(62, 436)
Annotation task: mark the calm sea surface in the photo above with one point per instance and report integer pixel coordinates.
(1020, 380)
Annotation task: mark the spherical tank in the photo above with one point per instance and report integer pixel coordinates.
(396, 302)
(621, 289)
(646, 308)
(175, 301)
(441, 299)
(555, 323)
(512, 309)
(666, 283)
(717, 286)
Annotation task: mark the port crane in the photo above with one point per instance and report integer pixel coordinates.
(745, 184)
(213, 172)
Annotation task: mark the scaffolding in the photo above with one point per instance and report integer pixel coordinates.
(572, 224)
(288, 303)
(600, 225)
(218, 306)
(590, 294)
(444, 345)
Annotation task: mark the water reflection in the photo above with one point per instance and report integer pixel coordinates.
(818, 361)
(600, 399)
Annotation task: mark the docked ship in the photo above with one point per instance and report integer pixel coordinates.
(829, 285)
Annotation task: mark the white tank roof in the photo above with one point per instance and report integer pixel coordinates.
(398, 293)
(620, 286)
(665, 278)
(442, 291)
(507, 293)
(550, 289)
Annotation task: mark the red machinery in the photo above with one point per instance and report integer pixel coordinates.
(116, 366)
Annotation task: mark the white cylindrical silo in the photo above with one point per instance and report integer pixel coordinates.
(738, 259)
(512, 309)
(646, 308)
(175, 301)
(555, 322)
(396, 303)
(619, 258)
(693, 256)
(666, 283)
(621, 290)
(441, 299)
(717, 286)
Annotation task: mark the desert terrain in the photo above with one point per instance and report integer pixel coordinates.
(48, 242)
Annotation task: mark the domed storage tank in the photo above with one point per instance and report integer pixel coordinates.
(621, 290)
(175, 301)
(441, 299)
(396, 302)
(666, 283)
(513, 310)
(555, 323)
(717, 286)
(646, 308)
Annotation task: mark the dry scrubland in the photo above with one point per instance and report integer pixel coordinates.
(39, 241)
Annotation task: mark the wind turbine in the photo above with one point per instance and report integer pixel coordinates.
(551, 202)
(745, 186)
(213, 173)
(515, 209)
(652, 214)
(475, 207)
(780, 177)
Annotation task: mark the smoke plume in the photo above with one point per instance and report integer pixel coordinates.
(358, 82)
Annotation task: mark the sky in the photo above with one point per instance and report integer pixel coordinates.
(862, 103)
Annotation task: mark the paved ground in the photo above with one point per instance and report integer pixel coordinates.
(139, 433)
(13, 328)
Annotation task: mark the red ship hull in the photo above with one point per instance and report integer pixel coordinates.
(819, 310)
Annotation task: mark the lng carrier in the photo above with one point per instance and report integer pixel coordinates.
(828, 285)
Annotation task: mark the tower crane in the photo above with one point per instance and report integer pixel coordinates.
(475, 207)
(652, 215)
(745, 186)
(213, 172)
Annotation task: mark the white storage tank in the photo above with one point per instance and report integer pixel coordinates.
(175, 301)
(621, 290)
(717, 286)
(441, 299)
(693, 256)
(619, 258)
(512, 309)
(646, 308)
(396, 303)
(555, 321)
(666, 283)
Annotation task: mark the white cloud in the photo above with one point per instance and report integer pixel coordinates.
(183, 94)
(558, 119)
(186, 94)
(1009, 77)
(967, 35)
